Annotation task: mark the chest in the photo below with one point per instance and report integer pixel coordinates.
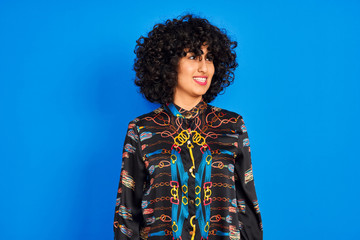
(157, 143)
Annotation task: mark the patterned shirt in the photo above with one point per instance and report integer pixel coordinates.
(187, 175)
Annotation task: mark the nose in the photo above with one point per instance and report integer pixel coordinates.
(202, 65)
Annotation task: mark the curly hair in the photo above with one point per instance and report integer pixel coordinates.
(158, 55)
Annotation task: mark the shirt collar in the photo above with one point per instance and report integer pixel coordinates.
(177, 111)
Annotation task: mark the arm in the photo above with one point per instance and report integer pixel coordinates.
(249, 214)
(128, 213)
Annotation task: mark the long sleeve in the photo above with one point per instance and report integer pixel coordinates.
(128, 213)
(249, 213)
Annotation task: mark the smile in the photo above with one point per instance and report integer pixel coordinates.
(200, 80)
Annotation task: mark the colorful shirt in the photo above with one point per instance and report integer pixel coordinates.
(187, 175)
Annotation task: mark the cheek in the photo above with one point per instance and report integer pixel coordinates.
(212, 71)
(212, 68)
(185, 73)
(211, 74)
(209, 82)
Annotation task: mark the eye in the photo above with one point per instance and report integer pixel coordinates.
(209, 58)
(192, 57)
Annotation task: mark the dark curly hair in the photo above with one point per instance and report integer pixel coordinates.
(158, 55)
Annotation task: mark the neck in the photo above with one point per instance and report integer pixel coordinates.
(187, 104)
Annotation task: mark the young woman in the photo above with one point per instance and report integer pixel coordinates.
(186, 168)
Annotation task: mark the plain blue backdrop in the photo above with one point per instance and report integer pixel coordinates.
(67, 95)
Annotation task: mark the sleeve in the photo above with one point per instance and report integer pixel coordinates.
(128, 213)
(249, 213)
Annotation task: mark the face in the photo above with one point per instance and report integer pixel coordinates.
(194, 77)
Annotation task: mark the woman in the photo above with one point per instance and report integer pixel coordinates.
(186, 168)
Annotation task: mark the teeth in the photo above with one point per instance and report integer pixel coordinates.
(200, 79)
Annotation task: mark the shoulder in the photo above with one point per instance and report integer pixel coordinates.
(225, 119)
(235, 122)
(140, 120)
(224, 113)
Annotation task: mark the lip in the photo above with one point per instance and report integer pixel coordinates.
(200, 82)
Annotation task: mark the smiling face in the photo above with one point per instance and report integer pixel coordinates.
(194, 78)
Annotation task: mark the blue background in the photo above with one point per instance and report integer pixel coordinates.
(67, 95)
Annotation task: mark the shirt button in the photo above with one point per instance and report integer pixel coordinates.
(192, 201)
